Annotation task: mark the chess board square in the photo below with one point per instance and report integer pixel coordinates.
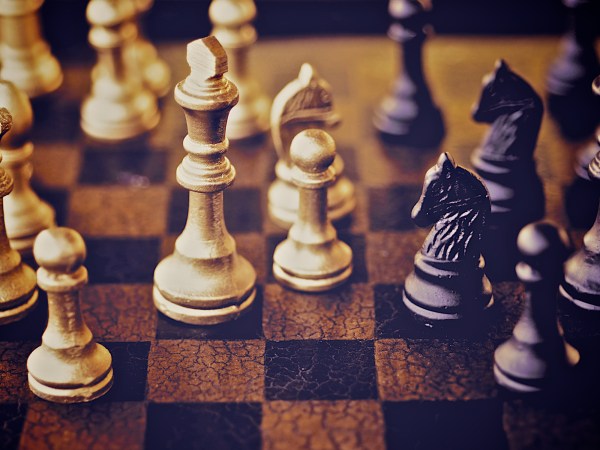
(56, 165)
(119, 211)
(346, 424)
(320, 370)
(130, 367)
(356, 242)
(96, 425)
(456, 425)
(115, 260)
(248, 326)
(13, 371)
(31, 327)
(433, 369)
(390, 254)
(395, 320)
(345, 313)
(242, 209)
(390, 207)
(119, 312)
(203, 426)
(130, 167)
(56, 119)
(12, 418)
(206, 371)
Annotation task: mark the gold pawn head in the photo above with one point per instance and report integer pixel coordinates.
(60, 250)
(312, 151)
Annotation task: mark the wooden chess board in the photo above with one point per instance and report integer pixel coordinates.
(342, 370)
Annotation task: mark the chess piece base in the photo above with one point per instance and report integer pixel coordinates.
(204, 291)
(402, 126)
(72, 395)
(311, 284)
(112, 122)
(445, 290)
(284, 200)
(197, 316)
(18, 312)
(34, 75)
(530, 373)
(22, 229)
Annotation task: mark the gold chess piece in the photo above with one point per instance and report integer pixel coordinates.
(119, 107)
(232, 21)
(205, 281)
(69, 366)
(306, 102)
(25, 213)
(18, 290)
(312, 258)
(25, 55)
(155, 71)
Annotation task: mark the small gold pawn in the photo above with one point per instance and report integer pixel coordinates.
(24, 212)
(232, 21)
(119, 106)
(155, 71)
(312, 258)
(25, 55)
(69, 366)
(18, 290)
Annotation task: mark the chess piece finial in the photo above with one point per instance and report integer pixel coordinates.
(570, 103)
(232, 21)
(581, 283)
(505, 162)
(449, 280)
(205, 281)
(18, 290)
(119, 106)
(306, 102)
(536, 355)
(312, 258)
(408, 115)
(25, 56)
(155, 72)
(25, 213)
(69, 366)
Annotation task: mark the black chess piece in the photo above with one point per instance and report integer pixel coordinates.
(583, 194)
(408, 115)
(536, 356)
(570, 102)
(505, 162)
(448, 281)
(581, 284)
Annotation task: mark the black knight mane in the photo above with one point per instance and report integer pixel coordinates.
(457, 203)
(515, 111)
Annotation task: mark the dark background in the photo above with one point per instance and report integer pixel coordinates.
(65, 24)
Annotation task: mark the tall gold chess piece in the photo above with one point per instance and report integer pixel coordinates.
(119, 107)
(25, 57)
(205, 281)
(155, 72)
(24, 212)
(232, 21)
(69, 366)
(306, 102)
(18, 290)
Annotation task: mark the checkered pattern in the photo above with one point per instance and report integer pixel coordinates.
(348, 369)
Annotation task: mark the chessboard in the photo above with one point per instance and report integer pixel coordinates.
(348, 369)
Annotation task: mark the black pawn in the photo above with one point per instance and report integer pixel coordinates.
(570, 101)
(505, 162)
(408, 116)
(582, 270)
(537, 356)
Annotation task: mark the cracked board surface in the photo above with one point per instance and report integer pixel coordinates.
(348, 369)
